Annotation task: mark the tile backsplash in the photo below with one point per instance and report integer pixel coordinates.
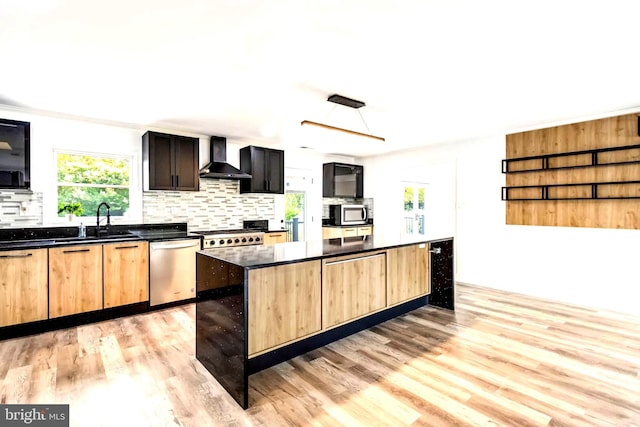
(217, 206)
(20, 209)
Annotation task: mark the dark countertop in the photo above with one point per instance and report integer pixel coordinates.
(46, 237)
(259, 256)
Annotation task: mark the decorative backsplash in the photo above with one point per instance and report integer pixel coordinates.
(20, 209)
(217, 206)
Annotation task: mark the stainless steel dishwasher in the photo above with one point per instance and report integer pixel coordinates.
(172, 270)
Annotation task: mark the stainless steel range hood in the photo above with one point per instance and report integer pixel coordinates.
(218, 166)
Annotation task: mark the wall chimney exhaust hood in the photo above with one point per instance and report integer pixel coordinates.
(218, 166)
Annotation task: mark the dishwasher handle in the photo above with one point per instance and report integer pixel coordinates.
(172, 245)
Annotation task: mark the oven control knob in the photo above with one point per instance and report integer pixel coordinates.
(244, 239)
(251, 239)
(221, 241)
(229, 241)
(257, 239)
(237, 241)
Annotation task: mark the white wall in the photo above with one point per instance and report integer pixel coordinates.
(590, 267)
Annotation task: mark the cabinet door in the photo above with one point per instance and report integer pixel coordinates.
(407, 273)
(161, 166)
(186, 154)
(258, 171)
(23, 286)
(275, 171)
(284, 304)
(125, 273)
(75, 280)
(352, 286)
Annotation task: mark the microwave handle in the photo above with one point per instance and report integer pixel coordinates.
(364, 213)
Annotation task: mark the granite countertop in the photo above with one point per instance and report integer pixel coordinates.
(45, 237)
(259, 256)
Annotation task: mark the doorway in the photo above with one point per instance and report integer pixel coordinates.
(294, 214)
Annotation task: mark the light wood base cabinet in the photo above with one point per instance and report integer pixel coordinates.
(75, 280)
(284, 304)
(275, 237)
(126, 273)
(338, 232)
(352, 286)
(23, 286)
(407, 273)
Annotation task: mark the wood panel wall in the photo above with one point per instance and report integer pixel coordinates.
(602, 133)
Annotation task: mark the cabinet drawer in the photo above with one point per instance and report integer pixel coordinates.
(350, 232)
(365, 231)
(277, 237)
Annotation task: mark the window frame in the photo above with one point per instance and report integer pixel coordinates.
(134, 213)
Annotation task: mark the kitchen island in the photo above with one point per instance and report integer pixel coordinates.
(257, 306)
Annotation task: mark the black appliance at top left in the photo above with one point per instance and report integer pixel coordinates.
(14, 154)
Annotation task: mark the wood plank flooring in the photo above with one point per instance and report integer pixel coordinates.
(500, 359)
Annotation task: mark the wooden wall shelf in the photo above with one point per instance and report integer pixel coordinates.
(581, 191)
(584, 158)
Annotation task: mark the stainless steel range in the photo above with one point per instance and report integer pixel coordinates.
(225, 238)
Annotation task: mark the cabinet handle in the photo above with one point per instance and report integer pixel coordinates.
(177, 181)
(126, 247)
(172, 180)
(75, 250)
(16, 256)
(436, 251)
(354, 259)
(275, 235)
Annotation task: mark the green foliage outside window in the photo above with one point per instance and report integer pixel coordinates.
(90, 180)
(294, 203)
(408, 198)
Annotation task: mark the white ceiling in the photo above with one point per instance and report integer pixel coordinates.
(429, 71)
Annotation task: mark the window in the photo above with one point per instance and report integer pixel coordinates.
(414, 207)
(89, 179)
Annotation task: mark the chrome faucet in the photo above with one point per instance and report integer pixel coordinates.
(98, 218)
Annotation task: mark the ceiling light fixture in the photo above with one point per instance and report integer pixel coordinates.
(348, 102)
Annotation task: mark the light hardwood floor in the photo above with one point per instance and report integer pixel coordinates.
(500, 359)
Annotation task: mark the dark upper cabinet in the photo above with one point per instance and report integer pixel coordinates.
(342, 180)
(170, 162)
(266, 167)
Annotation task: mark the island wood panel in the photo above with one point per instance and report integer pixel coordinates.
(75, 280)
(407, 273)
(284, 304)
(23, 286)
(126, 273)
(352, 286)
(602, 133)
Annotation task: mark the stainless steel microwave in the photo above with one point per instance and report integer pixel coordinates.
(347, 214)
